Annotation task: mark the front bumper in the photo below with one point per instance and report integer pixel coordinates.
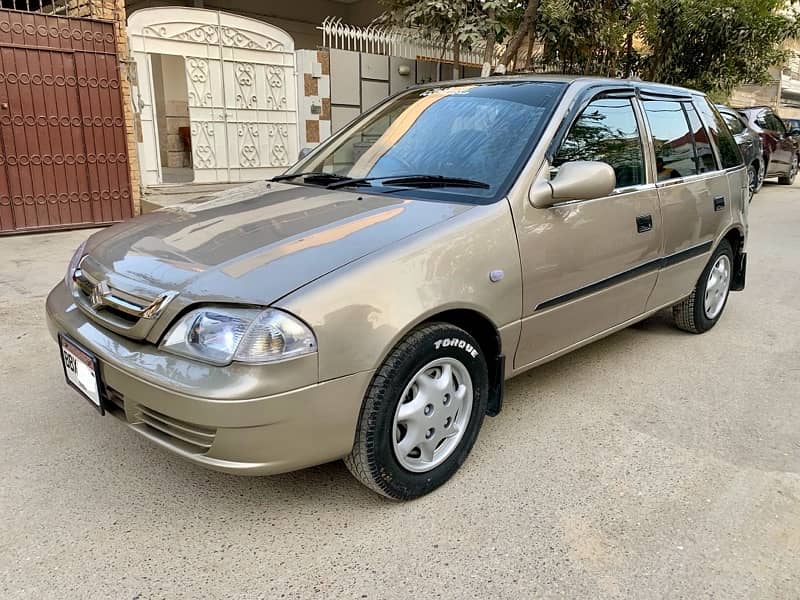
(244, 419)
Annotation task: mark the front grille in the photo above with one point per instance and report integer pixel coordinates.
(195, 438)
(116, 303)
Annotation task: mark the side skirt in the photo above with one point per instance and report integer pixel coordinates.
(594, 338)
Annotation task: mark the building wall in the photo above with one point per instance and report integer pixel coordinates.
(114, 10)
(360, 80)
(755, 95)
(314, 96)
(782, 93)
(300, 18)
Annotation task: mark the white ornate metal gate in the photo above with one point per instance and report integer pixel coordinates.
(240, 76)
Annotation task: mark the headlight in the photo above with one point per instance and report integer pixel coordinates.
(221, 335)
(73, 264)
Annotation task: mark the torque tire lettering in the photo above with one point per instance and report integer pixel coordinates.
(456, 343)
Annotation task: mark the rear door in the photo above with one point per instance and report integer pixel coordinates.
(590, 265)
(693, 189)
(781, 142)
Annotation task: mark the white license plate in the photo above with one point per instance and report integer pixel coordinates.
(80, 370)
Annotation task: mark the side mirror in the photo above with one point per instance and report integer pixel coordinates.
(304, 152)
(576, 180)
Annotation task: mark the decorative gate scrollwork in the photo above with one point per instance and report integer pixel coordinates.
(241, 90)
(63, 144)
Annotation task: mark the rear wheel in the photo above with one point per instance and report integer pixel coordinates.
(422, 413)
(788, 179)
(752, 178)
(701, 311)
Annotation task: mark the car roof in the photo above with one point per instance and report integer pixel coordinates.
(583, 80)
(749, 109)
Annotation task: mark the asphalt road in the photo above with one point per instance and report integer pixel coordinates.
(651, 464)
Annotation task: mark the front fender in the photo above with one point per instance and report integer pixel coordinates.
(361, 311)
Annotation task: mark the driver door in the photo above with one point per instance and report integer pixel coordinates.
(590, 265)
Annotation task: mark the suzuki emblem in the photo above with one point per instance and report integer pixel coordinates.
(98, 295)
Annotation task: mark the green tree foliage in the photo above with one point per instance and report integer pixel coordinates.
(459, 24)
(711, 45)
(588, 36)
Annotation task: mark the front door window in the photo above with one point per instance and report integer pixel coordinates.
(607, 131)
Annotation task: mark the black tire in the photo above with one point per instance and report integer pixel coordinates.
(689, 314)
(761, 170)
(752, 181)
(372, 460)
(789, 178)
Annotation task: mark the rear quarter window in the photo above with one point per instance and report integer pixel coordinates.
(728, 149)
(673, 141)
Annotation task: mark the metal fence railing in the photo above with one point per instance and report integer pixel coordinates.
(61, 8)
(403, 43)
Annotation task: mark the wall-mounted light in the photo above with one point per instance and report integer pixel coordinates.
(404, 70)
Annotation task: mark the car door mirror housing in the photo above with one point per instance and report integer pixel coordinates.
(304, 152)
(576, 180)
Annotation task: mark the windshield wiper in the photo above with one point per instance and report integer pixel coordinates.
(429, 181)
(319, 176)
(435, 181)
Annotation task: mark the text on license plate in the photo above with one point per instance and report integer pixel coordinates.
(79, 369)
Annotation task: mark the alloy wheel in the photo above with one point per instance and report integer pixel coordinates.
(717, 286)
(432, 415)
(752, 178)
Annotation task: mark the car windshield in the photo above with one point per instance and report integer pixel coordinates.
(467, 139)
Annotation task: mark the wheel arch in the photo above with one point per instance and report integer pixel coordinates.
(735, 237)
(485, 332)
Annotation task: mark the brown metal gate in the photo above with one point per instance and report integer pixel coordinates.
(63, 150)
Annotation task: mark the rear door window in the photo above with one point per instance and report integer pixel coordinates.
(775, 123)
(702, 144)
(607, 131)
(733, 122)
(672, 139)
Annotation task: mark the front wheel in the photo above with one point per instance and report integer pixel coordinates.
(421, 413)
(701, 311)
(788, 179)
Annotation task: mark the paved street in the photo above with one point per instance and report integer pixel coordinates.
(651, 464)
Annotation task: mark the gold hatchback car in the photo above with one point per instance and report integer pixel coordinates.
(369, 303)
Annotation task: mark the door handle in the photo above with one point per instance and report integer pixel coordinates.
(719, 203)
(4, 105)
(644, 223)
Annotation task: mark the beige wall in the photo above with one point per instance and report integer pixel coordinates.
(782, 93)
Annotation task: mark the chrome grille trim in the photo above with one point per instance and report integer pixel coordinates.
(121, 312)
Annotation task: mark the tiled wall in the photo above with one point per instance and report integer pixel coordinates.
(338, 85)
(314, 96)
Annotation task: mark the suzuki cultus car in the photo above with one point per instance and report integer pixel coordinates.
(368, 304)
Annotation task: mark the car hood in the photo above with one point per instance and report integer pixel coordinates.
(256, 243)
